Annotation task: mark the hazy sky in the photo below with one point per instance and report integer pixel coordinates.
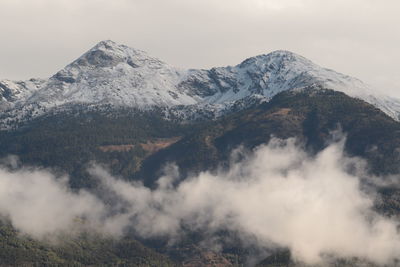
(356, 37)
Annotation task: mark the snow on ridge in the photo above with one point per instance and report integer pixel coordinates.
(118, 75)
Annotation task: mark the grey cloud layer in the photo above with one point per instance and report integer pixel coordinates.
(278, 196)
(356, 37)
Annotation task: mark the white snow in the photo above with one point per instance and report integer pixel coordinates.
(120, 76)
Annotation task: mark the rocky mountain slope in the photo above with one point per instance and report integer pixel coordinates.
(111, 75)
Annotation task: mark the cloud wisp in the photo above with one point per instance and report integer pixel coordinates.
(277, 197)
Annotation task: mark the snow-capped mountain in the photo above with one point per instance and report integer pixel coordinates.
(116, 75)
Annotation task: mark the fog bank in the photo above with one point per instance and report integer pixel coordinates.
(277, 197)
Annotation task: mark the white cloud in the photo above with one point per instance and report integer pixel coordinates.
(277, 196)
(40, 205)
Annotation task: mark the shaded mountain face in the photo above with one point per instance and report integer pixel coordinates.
(137, 144)
(87, 250)
(310, 115)
(118, 76)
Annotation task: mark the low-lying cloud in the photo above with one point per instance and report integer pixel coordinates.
(279, 196)
(38, 204)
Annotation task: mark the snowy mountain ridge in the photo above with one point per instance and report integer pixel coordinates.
(120, 76)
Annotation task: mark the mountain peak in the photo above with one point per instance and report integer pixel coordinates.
(286, 53)
(107, 44)
(108, 53)
(112, 73)
(288, 56)
(105, 56)
(277, 57)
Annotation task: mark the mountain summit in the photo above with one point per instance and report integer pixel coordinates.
(120, 76)
(109, 54)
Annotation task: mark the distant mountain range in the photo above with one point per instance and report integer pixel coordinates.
(113, 76)
(132, 114)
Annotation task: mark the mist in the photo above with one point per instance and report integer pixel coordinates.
(277, 196)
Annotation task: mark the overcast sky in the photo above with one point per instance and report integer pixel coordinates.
(356, 37)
